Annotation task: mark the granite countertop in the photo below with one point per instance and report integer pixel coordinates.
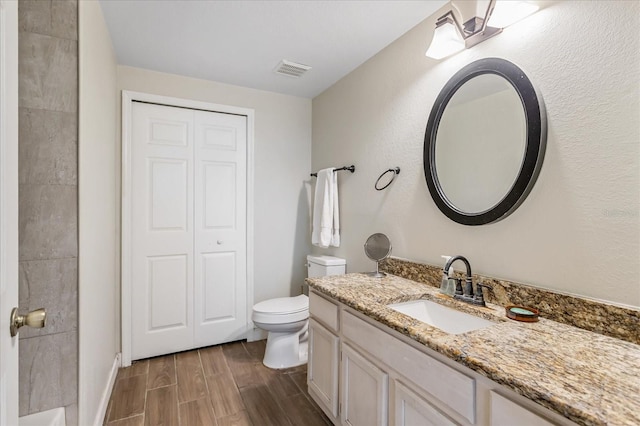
(587, 377)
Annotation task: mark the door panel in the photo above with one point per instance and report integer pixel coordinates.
(167, 194)
(219, 298)
(167, 291)
(219, 193)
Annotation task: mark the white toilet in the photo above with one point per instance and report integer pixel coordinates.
(287, 318)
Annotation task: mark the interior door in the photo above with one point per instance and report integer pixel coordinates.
(8, 209)
(188, 229)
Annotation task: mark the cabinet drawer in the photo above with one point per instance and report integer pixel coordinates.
(452, 388)
(324, 311)
(505, 412)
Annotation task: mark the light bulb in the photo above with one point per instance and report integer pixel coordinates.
(507, 12)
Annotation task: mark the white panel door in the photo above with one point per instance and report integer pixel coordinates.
(189, 204)
(220, 227)
(162, 230)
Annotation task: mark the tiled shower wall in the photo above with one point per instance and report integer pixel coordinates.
(48, 163)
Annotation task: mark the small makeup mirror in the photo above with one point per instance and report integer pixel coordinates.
(377, 248)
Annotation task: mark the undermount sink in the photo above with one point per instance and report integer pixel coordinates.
(446, 319)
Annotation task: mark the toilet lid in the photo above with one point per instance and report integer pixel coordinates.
(283, 305)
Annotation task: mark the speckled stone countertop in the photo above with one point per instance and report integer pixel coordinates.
(584, 376)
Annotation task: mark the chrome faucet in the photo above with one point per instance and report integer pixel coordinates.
(466, 295)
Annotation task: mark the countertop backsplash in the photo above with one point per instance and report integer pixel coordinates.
(596, 316)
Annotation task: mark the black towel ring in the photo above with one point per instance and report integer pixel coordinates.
(395, 172)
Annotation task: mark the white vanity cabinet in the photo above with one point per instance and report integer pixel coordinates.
(363, 390)
(322, 368)
(503, 411)
(382, 377)
(324, 354)
(410, 409)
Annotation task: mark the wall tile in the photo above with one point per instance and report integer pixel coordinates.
(48, 147)
(57, 18)
(53, 285)
(48, 217)
(48, 72)
(48, 372)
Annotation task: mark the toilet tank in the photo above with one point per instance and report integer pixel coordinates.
(322, 266)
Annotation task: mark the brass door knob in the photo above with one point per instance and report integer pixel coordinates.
(35, 319)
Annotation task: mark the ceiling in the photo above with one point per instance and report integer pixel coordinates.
(242, 42)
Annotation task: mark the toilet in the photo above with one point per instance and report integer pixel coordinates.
(287, 318)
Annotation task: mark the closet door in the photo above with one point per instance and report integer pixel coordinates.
(220, 227)
(162, 150)
(189, 203)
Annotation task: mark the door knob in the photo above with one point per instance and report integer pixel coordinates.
(35, 319)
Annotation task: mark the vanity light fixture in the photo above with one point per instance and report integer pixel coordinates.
(450, 37)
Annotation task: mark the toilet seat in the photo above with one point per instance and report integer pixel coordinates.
(282, 310)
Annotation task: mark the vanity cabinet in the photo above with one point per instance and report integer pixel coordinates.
(410, 409)
(382, 377)
(324, 354)
(364, 390)
(503, 411)
(322, 368)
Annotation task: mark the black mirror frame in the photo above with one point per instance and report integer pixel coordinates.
(535, 116)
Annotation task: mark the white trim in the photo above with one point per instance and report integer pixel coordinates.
(256, 334)
(128, 97)
(106, 394)
(8, 208)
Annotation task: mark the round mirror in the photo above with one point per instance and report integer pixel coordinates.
(377, 248)
(484, 143)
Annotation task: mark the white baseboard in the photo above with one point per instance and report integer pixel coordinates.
(256, 334)
(106, 394)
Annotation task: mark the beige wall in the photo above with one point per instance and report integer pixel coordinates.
(98, 236)
(579, 229)
(282, 162)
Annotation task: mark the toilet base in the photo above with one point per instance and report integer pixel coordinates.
(286, 350)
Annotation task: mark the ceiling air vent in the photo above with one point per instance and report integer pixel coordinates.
(291, 69)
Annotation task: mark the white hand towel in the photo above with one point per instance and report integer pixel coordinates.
(325, 211)
(335, 235)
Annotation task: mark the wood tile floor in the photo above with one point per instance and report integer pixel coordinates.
(218, 386)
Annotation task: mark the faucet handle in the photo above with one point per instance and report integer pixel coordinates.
(479, 296)
(459, 286)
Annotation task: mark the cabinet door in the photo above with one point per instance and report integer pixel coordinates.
(413, 410)
(322, 369)
(364, 390)
(506, 413)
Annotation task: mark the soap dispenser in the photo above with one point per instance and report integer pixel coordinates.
(448, 285)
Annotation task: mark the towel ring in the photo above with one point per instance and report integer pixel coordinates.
(395, 172)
